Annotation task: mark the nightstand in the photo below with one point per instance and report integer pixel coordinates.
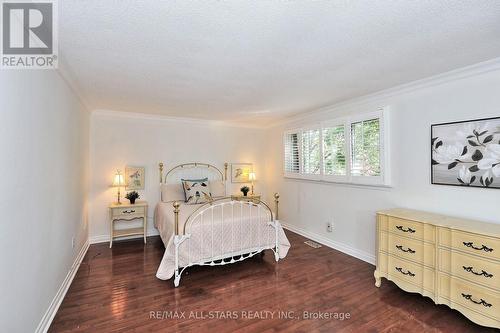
(251, 197)
(128, 212)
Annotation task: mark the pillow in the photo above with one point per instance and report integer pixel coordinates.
(172, 192)
(217, 188)
(196, 191)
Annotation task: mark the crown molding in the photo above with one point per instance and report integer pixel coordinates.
(439, 79)
(157, 117)
(66, 73)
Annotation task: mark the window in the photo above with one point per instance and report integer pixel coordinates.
(311, 152)
(334, 151)
(350, 150)
(365, 148)
(292, 162)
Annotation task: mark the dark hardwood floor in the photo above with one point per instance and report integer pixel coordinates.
(115, 290)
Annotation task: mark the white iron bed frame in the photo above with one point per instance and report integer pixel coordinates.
(224, 203)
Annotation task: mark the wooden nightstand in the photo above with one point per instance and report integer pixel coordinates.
(128, 212)
(252, 197)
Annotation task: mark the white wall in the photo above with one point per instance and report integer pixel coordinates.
(120, 139)
(44, 168)
(308, 206)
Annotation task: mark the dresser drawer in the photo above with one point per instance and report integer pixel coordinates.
(128, 212)
(476, 298)
(411, 229)
(479, 245)
(399, 269)
(450, 294)
(406, 228)
(471, 268)
(415, 250)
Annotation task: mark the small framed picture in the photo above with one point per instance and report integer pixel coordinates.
(134, 177)
(240, 172)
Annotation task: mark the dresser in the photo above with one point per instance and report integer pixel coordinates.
(128, 212)
(451, 260)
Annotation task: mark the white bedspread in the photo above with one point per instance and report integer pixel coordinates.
(230, 232)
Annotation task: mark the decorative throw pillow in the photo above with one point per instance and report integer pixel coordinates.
(172, 192)
(196, 191)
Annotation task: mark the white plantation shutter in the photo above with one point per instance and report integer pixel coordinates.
(365, 148)
(353, 149)
(292, 154)
(311, 152)
(334, 151)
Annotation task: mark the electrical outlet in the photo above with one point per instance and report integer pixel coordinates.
(329, 227)
(73, 242)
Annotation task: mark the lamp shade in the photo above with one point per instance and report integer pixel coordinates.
(251, 176)
(118, 180)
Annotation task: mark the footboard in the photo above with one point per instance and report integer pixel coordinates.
(224, 231)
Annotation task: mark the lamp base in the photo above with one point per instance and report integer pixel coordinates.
(118, 202)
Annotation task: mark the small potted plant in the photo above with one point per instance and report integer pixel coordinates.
(245, 190)
(132, 196)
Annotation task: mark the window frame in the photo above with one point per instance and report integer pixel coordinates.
(286, 173)
(383, 180)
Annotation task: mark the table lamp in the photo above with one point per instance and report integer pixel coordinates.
(118, 181)
(252, 178)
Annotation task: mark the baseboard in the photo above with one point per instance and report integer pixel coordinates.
(362, 255)
(63, 289)
(105, 238)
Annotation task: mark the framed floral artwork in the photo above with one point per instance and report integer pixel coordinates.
(134, 177)
(466, 153)
(240, 172)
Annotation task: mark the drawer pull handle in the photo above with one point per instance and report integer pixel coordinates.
(400, 247)
(483, 247)
(128, 211)
(482, 301)
(400, 227)
(400, 270)
(483, 272)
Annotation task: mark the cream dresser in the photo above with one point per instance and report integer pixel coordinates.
(453, 261)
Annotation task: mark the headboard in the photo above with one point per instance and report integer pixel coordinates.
(193, 170)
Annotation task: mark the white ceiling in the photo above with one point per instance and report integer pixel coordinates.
(260, 61)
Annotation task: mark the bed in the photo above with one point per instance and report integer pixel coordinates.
(218, 232)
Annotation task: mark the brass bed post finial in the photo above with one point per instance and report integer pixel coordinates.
(176, 213)
(277, 201)
(225, 171)
(161, 172)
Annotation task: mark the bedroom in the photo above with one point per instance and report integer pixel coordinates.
(369, 129)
